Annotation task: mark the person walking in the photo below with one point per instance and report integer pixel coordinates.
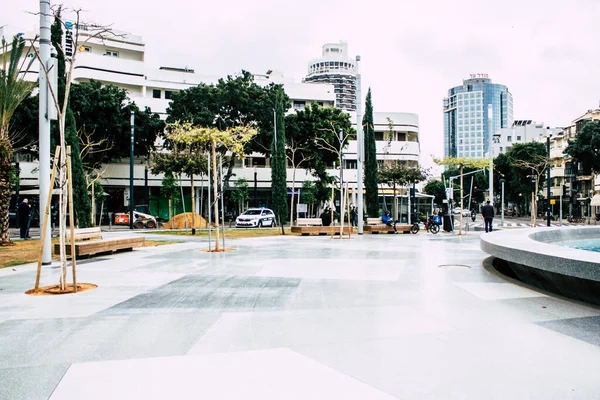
(487, 212)
(353, 216)
(23, 210)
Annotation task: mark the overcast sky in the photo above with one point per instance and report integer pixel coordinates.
(545, 51)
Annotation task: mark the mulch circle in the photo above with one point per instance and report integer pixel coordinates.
(55, 289)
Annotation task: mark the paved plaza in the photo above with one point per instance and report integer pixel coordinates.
(373, 317)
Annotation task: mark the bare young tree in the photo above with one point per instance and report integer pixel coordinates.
(538, 165)
(297, 154)
(92, 32)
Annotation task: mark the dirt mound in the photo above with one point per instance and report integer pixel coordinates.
(184, 220)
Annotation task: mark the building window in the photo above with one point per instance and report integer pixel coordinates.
(168, 94)
(156, 93)
(86, 49)
(111, 53)
(500, 149)
(509, 138)
(299, 105)
(518, 138)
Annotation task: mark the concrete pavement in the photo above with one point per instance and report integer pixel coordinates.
(372, 317)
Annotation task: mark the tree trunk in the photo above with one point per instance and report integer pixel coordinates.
(62, 206)
(216, 193)
(5, 188)
(193, 205)
(460, 218)
(292, 202)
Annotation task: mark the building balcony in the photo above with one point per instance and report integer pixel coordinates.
(109, 69)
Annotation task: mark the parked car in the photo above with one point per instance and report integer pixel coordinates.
(465, 212)
(256, 218)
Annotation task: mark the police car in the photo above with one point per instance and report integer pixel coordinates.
(256, 218)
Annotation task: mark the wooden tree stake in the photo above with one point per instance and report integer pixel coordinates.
(46, 217)
(71, 219)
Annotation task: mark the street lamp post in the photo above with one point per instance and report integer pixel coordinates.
(502, 204)
(560, 204)
(131, 171)
(359, 150)
(548, 193)
(44, 127)
(491, 152)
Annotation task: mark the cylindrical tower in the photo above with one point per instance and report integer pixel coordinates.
(337, 68)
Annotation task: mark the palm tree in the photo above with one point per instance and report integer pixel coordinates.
(13, 90)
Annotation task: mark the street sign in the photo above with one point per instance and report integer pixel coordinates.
(552, 201)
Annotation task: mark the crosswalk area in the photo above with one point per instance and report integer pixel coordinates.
(521, 224)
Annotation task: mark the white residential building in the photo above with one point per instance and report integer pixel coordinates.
(336, 67)
(521, 131)
(120, 60)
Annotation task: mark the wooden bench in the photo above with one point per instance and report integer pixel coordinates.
(309, 222)
(376, 225)
(88, 241)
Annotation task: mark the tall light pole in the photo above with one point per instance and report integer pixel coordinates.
(44, 126)
(359, 150)
(491, 152)
(502, 204)
(131, 171)
(548, 193)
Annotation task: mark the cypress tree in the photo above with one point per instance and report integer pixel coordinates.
(371, 189)
(278, 164)
(81, 200)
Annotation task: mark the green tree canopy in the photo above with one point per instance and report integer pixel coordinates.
(278, 165)
(586, 147)
(13, 90)
(371, 173)
(315, 131)
(102, 117)
(436, 188)
(233, 101)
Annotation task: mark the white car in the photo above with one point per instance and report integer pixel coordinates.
(256, 218)
(465, 212)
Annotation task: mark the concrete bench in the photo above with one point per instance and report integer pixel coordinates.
(309, 222)
(88, 241)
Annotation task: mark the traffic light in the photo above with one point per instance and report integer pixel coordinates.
(68, 43)
(564, 193)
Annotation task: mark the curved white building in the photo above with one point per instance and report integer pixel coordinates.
(337, 68)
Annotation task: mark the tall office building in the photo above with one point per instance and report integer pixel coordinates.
(337, 68)
(466, 125)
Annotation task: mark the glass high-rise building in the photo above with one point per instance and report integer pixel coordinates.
(466, 126)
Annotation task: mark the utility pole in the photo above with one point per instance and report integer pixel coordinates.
(44, 126)
(131, 171)
(359, 150)
(548, 193)
(491, 152)
(502, 205)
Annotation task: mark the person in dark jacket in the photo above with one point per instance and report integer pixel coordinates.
(326, 217)
(23, 210)
(487, 212)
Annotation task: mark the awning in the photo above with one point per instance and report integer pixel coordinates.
(36, 192)
(596, 200)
